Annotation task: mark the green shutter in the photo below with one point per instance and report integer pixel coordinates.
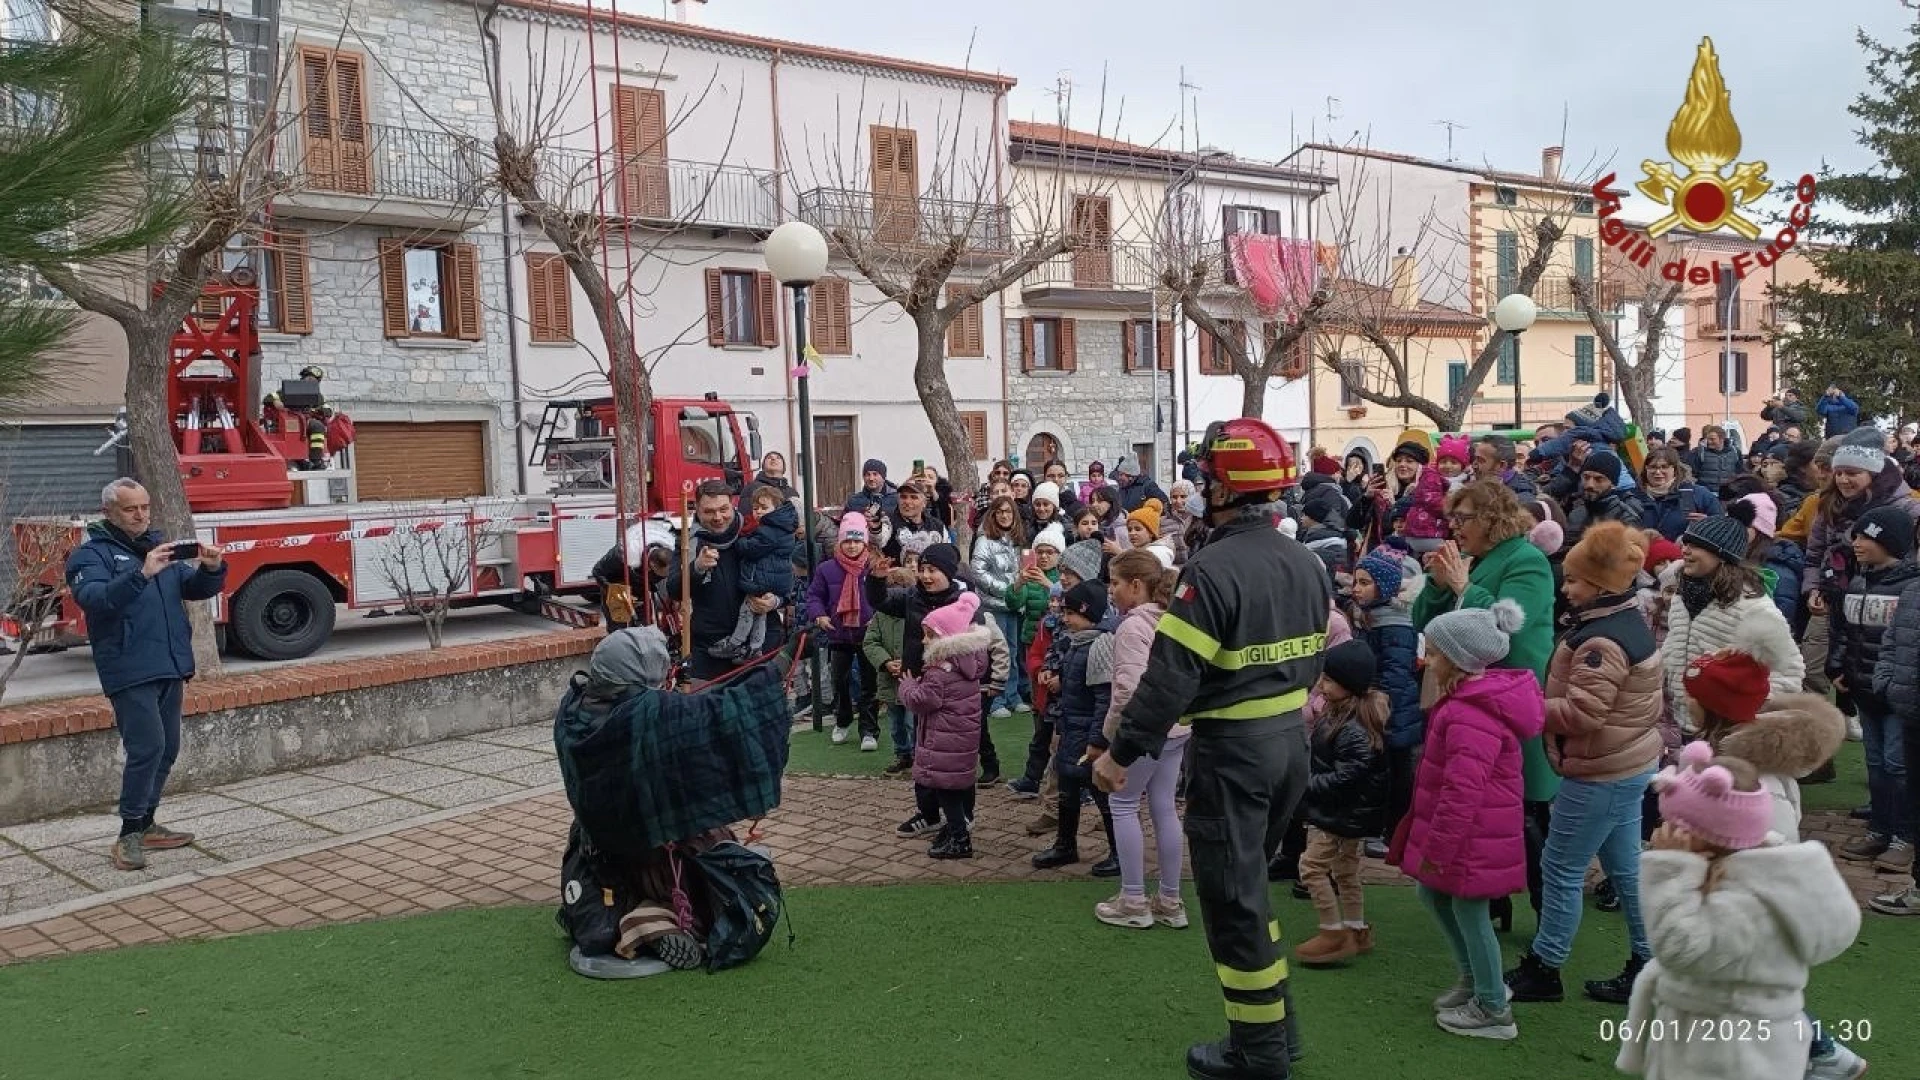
(1583, 372)
(1456, 378)
(1507, 247)
(1505, 371)
(1583, 258)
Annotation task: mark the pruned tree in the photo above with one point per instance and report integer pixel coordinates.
(1651, 298)
(428, 560)
(33, 556)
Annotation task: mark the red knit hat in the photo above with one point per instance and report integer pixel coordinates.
(1662, 550)
(1729, 683)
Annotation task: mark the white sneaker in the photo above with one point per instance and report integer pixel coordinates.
(1132, 913)
(1475, 1022)
(1854, 734)
(1898, 902)
(1460, 994)
(1842, 1064)
(1001, 713)
(868, 744)
(840, 734)
(1169, 912)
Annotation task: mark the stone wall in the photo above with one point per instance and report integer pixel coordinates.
(1097, 410)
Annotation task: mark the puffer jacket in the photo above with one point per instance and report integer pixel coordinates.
(1030, 600)
(1347, 782)
(823, 596)
(1463, 835)
(1604, 687)
(1751, 624)
(1619, 504)
(880, 644)
(766, 553)
(996, 563)
(1785, 561)
(1332, 546)
(945, 702)
(1896, 670)
(1427, 510)
(1829, 553)
(1668, 513)
(139, 630)
(1388, 631)
(1711, 468)
(1086, 689)
(1132, 642)
(1859, 622)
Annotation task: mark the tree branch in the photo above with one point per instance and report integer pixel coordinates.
(90, 297)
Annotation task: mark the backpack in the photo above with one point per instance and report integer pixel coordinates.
(744, 903)
(591, 902)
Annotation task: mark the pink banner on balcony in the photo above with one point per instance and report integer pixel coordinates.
(1279, 274)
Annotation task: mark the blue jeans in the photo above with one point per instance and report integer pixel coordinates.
(148, 716)
(1016, 690)
(1590, 819)
(900, 723)
(1886, 771)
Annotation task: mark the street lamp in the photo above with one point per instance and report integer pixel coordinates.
(1514, 314)
(1726, 358)
(796, 254)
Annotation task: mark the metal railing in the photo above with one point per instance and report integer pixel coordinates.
(389, 162)
(1553, 294)
(908, 222)
(668, 192)
(1753, 317)
(1116, 267)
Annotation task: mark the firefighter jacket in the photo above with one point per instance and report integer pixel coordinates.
(1241, 640)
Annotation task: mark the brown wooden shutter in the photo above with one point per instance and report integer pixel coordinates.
(1126, 344)
(1270, 222)
(640, 140)
(1166, 346)
(464, 260)
(334, 121)
(1092, 225)
(1207, 348)
(976, 424)
(1026, 344)
(1067, 358)
(350, 101)
(716, 310)
(549, 299)
(292, 284)
(767, 298)
(1299, 357)
(966, 334)
(896, 183)
(317, 127)
(831, 317)
(393, 288)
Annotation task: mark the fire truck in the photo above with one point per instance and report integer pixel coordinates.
(299, 546)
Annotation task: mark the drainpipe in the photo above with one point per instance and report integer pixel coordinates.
(999, 186)
(780, 213)
(513, 325)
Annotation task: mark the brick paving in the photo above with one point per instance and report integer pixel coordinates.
(828, 830)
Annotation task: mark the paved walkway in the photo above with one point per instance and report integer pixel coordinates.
(469, 822)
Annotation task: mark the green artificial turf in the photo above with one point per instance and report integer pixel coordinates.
(1847, 790)
(812, 752)
(1009, 981)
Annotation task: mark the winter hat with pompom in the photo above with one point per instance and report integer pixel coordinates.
(1387, 572)
(952, 620)
(1475, 639)
(1766, 513)
(1051, 537)
(1456, 448)
(1699, 795)
(1548, 536)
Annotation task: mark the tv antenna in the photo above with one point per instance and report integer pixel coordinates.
(1451, 126)
(1332, 104)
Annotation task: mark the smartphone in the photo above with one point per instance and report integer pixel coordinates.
(1380, 470)
(919, 466)
(186, 550)
(1029, 560)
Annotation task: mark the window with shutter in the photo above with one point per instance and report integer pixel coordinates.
(1507, 368)
(976, 425)
(967, 333)
(430, 289)
(716, 307)
(1583, 365)
(1044, 346)
(640, 140)
(549, 299)
(394, 311)
(1456, 378)
(333, 121)
(740, 308)
(1234, 221)
(1214, 357)
(1140, 345)
(1507, 264)
(1093, 227)
(896, 184)
(1353, 375)
(1166, 345)
(291, 285)
(1583, 258)
(1733, 364)
(1069, 355)
(830, 317)
(1025, 326)
(767, 299)
(465, 263)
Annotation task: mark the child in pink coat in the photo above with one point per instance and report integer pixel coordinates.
(1462, 839)
(945, 701)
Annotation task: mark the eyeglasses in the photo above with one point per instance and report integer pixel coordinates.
(1461, 519)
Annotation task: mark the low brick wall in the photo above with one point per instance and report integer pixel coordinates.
(62, 755)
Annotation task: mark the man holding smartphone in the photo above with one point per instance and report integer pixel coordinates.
(131, 583)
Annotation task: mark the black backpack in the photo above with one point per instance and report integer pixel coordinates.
(744, 903)
(591, 901)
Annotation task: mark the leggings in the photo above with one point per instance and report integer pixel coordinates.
(1476, 951)
(1153, 781)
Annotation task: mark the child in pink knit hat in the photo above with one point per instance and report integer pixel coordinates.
(1737, 917)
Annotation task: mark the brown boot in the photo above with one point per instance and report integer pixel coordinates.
(1363, 940)
(1326, 947)
(1043, 825)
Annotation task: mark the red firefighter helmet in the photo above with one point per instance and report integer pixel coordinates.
(1246, 456)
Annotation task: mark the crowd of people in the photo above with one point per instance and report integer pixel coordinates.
(1598, 650)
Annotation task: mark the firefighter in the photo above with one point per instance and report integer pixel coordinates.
(1235, 655)
(315, 373)
(317, 438)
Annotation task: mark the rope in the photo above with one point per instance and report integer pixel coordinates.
(800, 648)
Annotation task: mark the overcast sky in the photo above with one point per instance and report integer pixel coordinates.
(1507, 71)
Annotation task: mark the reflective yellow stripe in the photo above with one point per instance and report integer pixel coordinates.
(1257, 1014)
(1196, 640)
(1264, 979)
(1257, 475)
(1270, 652)
(1255, 708)
(1273, 930)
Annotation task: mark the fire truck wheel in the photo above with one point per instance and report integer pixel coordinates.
(282, 615)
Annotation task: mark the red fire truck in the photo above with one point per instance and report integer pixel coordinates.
(294, 556)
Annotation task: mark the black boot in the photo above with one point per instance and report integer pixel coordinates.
(1281, 868)
(1108, 867)
(1500, 911)
(952, 847)
(1617, 990)
(1249, 1052)
(1065, 850)
(1533, 980)
(1604, 896)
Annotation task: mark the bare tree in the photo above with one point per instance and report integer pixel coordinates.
(33, 556)
(1653, 296)
(429, 559)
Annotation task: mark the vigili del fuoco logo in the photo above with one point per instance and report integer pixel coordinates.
(1704, 140)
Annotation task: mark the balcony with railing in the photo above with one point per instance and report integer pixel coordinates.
(378, 174)
(1553, 295)
(1096, 276)
(666, 193)
(1743, 319)
(901, 223)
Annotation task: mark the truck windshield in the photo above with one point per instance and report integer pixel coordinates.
(706, 438)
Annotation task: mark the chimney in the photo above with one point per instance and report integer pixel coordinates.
(688, 11)
(1406, 281)
(1550, 163)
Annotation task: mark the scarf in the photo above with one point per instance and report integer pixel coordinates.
(1696, 594)
(139, 545)
(846, 609)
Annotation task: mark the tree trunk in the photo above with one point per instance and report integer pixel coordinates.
(632, 388)
(156, 458)
(1253, 397)
(936, 397)
(1636, 390)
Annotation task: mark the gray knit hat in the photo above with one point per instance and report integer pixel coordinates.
(1083, 558)
(1725, 536)
(1475, 639)
(1865, 448)
(636, 656)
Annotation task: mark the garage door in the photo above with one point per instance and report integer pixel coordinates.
(50, 469)
(410, 461)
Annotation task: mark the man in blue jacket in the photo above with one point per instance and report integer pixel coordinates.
(1841, 412)
(130, 582)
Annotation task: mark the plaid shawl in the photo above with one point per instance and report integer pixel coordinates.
(645, 768)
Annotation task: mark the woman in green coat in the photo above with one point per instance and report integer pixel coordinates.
(1490, 528)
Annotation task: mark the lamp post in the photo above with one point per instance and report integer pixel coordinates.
(1514, 314)
(796, 255)
(1726, 358)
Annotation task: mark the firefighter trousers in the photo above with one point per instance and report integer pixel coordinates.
(1244, 780)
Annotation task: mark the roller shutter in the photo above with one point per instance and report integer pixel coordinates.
(50, 469)
(412, 461)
